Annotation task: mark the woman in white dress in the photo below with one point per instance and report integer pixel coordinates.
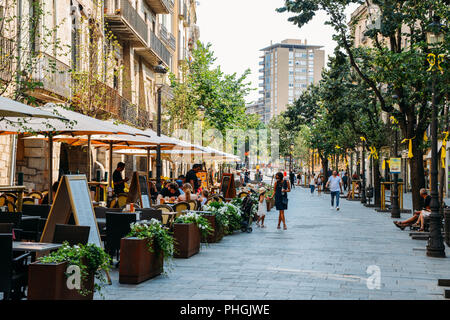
(262, 207)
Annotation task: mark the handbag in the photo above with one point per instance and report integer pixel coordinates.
(284, 199)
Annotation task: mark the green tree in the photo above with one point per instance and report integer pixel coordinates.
(398, 58)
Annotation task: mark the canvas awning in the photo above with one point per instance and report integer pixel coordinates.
(10, 108)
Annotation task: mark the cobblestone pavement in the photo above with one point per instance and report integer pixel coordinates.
(324, 254)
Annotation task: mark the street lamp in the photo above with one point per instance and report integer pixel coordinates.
(160, 71)
(395, 210)
(435, 246)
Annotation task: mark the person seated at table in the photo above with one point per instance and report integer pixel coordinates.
(54, 189)
(153, 191)
(172, 191)
(119, 182)
(188, 195)
(418, 216)
(181, 180)
(204, 196)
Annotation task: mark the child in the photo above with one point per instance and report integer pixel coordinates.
(262, 209)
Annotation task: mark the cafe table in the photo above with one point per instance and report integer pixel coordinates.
(16, 189)
(34, 247)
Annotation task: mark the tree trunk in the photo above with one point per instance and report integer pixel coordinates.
(417, 175)
(376, 183)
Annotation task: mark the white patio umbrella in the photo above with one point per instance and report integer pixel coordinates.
(79, 125)
(10, 108)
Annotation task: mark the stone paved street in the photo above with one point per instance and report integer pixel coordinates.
(324, 254)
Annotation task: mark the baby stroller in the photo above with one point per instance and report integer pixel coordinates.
(247, 214)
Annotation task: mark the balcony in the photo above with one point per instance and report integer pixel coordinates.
(156, 52)
(160, 6)
(182, 8)
(167, 37)
(55, 77)
(7, 58)
(144, 118)
(261, 63)
(128, 112)
(125, 22)
(261, 70)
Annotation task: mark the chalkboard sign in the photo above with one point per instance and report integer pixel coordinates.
(225, 183)
(72, 198)
(227, 186)
(139, 190)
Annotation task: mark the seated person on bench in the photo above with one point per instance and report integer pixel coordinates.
(418, 216)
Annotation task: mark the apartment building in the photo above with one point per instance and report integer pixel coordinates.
(113, 46)
(287, 70)
(259, 108)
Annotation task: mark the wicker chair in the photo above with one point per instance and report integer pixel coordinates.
(122, 199)
(193, 204)
(242, 194)
(36, 195)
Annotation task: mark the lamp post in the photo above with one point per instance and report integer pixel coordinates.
(395, 210)
(363, 176)
(435, 246)
(160, 70)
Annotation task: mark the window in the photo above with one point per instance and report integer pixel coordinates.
(291, 62)
(291, 54)
(291, 93)
(291, 85)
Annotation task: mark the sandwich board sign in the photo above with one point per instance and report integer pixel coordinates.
(139, 190)
(72, 198)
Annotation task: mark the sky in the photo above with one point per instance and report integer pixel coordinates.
(239, 29)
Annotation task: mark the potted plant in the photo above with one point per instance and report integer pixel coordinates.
(228, 213)
(143, 251)
(68, 273)
(217, 222)
(188, 229)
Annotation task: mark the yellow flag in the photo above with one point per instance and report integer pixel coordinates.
(444, 149)
(410, 153)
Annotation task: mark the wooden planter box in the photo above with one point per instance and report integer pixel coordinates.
(217, 235)
(137, 263)
(187, 239)
(49, 282)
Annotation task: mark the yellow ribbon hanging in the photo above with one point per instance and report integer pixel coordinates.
(383, 165)
(444, 149)
(337, 147)
(363, 139)
(394, 121)
(410, 153)
(431, 57)
(425, 138)
(440, 60)
(373, 152)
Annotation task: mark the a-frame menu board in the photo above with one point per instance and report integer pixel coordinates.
(227, 186)
(72, 198)
(139, 190)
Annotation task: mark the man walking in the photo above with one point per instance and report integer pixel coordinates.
(335, 185)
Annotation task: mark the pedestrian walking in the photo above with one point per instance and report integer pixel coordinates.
(262, 207)
(312, 183)
(292, 179)
(281, 187)
(335, 185)
(319, 184)
(345, 181)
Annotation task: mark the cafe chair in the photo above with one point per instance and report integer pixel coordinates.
(122, 200)
(36, 195)
(6, 227)
(100, 215)
(41, 210)
(117, 227)
(113, 203)
(13, 271)
(74, 235)
(164, 207)
(11, 197)
(193, 204)
(11, 217)
(5, 202)
(28, 200)
(148, 214)
(181, 206)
